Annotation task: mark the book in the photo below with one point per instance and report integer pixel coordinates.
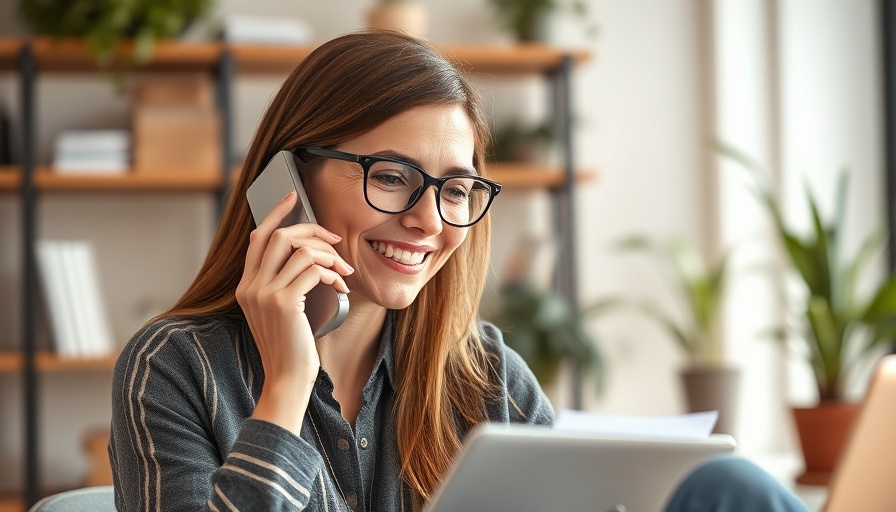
(93, 151)
(98, 341)
(55, 293)
(80, 326)
(103, 141)
(253, 29)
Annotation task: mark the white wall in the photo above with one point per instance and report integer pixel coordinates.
(642, 108)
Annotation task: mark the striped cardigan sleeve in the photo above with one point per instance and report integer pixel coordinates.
(169, 445)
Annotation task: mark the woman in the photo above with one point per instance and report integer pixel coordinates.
(227, 402)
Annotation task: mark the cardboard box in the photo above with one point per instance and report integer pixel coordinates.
(96, 445)
(176, 140)
(188, 91)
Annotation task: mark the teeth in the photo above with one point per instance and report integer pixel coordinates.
(399, 255)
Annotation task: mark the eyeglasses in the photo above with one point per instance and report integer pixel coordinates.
(393, 186)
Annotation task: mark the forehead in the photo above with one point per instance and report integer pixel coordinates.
(429, 134)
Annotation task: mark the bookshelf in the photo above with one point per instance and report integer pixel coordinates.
(225, 62)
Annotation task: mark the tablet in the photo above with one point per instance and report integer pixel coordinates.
(525, 468)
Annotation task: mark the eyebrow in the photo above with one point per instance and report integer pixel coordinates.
(454, 171)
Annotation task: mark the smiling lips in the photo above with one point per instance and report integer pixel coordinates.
(402, 256)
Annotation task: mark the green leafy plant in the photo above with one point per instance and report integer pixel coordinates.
(699, 286)
(105, 22)
(834, 317)
(516, 142)
(524, 18)
(546, 331)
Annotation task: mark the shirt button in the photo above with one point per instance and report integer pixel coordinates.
(342, 444)
(351, 499)
(363, 442)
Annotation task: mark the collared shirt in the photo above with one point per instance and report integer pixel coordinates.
(182, 439)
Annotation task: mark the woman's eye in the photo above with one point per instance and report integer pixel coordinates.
(389, 178)
(456, 193)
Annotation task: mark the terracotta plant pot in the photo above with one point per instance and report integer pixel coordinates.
(409, 17)
(823, 431)
(713, 388)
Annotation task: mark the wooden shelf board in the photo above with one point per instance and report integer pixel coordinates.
(11, 503)
(519, 58)
(10, 177)
(253, 59)
(46, 361)
(523, 58)
(9, 53)
(533, 176)
(188, 180)
(71, 55)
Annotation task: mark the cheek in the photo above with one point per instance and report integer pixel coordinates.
(454, 238)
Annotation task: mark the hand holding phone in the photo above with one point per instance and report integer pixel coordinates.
(325, 308)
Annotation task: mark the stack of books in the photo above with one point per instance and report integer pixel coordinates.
(271, 30)
(71, 289)
(92, 151)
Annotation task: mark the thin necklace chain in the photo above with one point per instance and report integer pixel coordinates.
(333, 473)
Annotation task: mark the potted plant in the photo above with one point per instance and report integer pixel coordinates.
(517, 142)
(406, 15)
(104, 23)
(539, 323)
(546, 331)
(835, 323)
(709, 383)
(527, 20)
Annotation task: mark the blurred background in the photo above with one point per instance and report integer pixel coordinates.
(662, 94)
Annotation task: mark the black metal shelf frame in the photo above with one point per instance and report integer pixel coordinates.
(223, 75)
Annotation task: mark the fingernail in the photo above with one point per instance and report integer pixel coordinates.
(289, 195)
(351, 269)
(337, 237)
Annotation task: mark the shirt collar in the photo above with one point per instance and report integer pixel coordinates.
(387, 347)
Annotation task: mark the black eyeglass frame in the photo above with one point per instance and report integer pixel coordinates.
(367, 161)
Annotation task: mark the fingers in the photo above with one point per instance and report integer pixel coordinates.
(258, 238)
(305, 259)
(284, 242)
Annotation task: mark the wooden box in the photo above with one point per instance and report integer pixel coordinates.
(176, 140)
(190, 91)
(96, 445)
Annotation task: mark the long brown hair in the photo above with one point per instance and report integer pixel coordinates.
(345, 88)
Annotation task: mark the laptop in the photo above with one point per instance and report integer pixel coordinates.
(521, 468)
(864, 476)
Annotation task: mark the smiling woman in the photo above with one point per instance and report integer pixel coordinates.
(228, 402)
(383, 401)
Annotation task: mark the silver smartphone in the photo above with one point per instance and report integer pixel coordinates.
(325, 308)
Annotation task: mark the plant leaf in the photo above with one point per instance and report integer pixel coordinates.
(686, 342)
(872, 244)
(882, 307)
(828, 340)
(820, 253)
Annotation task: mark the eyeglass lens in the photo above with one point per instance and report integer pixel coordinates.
(392, 187)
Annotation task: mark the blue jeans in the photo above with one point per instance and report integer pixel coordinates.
(732, 484)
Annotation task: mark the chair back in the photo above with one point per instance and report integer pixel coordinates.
(88, 499)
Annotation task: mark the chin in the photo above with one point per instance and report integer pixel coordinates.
(398, 299)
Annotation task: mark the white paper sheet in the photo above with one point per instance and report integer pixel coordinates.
(694, 426)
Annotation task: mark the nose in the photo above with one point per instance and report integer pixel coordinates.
(424, 215)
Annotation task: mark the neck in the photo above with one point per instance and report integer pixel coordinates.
(349, 353)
